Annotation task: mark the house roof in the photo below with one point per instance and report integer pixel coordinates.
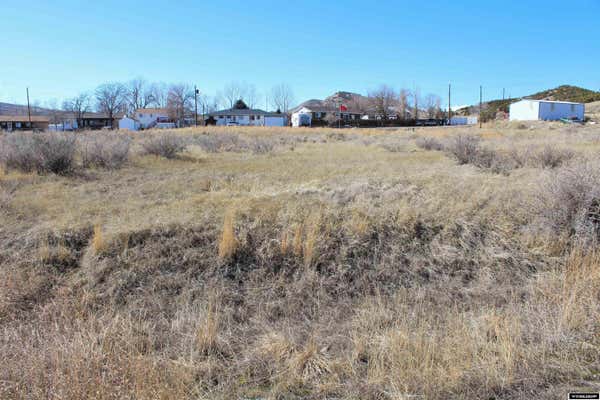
(89, 115)
(152, 111)
(23, 118)
(246, 111)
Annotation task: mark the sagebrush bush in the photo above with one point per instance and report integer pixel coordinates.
(464, 148)
(164, 145)
(104, 150)
(552, 157)
(568, 202)
(548, 156)
(429, 143)
(44, 152)
(231, 142)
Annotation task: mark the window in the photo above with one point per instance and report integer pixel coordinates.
(141, 115)
(252, 118)
(258, 117)
(552, 106)
(220, 117)
(572, 107)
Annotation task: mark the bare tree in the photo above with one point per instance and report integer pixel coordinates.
(416, 96)
(233, 92)
(111, 99)
(79, 106)
(139, 95)
(359, 104)
(179, 102)
(282, 97)
(251, 96)
(432, 105)
(158, 94)
(383, 99)
(403, 95)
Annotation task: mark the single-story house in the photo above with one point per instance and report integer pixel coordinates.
(248, 117)
(21, 122)
(546, 110)
(69, 121)
(321, 112)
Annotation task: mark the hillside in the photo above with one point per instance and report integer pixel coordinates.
(561, 93)
(17, 109)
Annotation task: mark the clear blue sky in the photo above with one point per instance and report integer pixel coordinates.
(59, 48)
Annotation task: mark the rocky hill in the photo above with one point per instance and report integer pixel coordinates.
(351, 100)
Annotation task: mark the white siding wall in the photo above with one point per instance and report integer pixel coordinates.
(245, 120)
(556, 111)
(128, 123)
(524, 110)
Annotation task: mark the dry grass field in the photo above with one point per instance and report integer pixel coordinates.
(252, 263)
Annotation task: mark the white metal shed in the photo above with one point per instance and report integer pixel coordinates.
(546, 110)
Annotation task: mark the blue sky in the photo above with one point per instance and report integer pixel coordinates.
(60, 48)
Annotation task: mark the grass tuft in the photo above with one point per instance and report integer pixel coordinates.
(228, 244)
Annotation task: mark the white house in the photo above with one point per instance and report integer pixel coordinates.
(300, 118)
(322, 111)
(546, 110)
(151, 117)
(248, 117)
(129, 123)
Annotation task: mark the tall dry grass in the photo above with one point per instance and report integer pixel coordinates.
(356, 266)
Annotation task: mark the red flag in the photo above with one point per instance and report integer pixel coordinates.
(343, 107)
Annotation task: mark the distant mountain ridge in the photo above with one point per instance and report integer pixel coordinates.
(17, 109)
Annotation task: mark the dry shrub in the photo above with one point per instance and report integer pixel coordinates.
(46, 152)
(464, 148)
(552, 157)
(231, 142)
(164, 145)
(568, 202)
(429, 143)
(548, 156)
(228, 244)
(262, 146)
(104, 150)
(311, 361)
(467, 149)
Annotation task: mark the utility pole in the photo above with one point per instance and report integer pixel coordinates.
(480, 107)
(29, 109)
(449, 107)
(196, 91)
